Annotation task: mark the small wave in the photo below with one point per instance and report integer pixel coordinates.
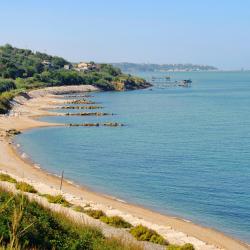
(37, 166)
(23, 155)
(120, 200)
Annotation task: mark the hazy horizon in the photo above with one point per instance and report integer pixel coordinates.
(161, 32)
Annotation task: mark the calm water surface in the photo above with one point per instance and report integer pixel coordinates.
(185, 152)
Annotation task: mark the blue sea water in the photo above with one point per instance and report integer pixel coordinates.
(183, 151)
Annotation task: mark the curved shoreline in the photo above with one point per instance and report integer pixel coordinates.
(16, 165)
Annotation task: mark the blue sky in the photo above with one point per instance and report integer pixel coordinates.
(152, 31)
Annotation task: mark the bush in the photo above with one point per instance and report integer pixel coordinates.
(187, 246)
(145, 234)
(96, 214)
(5, 99)
(57, 199)
(25, 187)
(6, 177)
(6, 85)
(79, 209)
(116, 221)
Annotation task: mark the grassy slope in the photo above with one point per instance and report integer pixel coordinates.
(27, 225)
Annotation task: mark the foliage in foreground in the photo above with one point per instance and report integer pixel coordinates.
(27, 225)
(18, 216)
(143, 233)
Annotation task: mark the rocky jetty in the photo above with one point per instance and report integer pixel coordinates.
(84, 101)
(106, 124)
(78, 96)
(87, 114)
(81, 107)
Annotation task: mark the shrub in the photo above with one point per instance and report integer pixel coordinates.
(96, 214)
(6, 177)
(79, 209)
(6, 85)
(115, 221)
(187, 246)
(173, 247)
(5, 99)
(57, 199)
(143, 233)
(25, 187)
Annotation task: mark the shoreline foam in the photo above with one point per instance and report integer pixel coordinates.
(176, 230)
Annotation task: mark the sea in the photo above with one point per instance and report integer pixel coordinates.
(183, 152)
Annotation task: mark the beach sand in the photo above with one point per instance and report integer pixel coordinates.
(175, 230)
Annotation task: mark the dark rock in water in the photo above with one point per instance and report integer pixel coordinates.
(12, 132)
(112, 124)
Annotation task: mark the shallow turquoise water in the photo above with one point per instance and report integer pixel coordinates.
(183, 151)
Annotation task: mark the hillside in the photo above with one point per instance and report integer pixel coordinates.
(22, 69)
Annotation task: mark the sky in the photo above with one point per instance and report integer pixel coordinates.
(212, 32)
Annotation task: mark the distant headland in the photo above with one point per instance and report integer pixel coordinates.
(149, 67)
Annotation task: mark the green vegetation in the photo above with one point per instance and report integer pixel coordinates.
(145, 234)
(22, 69)
(115, 221)
(57, 199)
(187, 246)
(96, 214)
(25, 187)
(79, 209)
(5, 99)
(6, 177)
(27, 225)
(6, 85)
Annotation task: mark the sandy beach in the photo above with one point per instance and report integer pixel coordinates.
(22, 117)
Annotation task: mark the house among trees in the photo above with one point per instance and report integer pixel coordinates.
(67, 66)
(83, 66)
(47, 63)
